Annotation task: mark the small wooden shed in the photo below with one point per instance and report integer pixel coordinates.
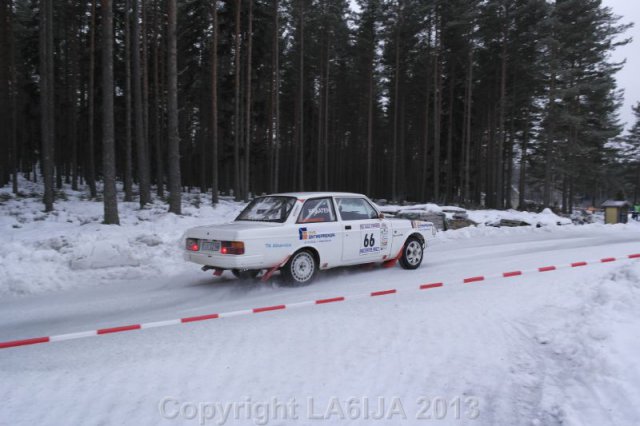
(615, 211)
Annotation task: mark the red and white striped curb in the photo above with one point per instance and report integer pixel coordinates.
(468, 280)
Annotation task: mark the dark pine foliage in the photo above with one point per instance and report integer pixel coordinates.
(498, 103)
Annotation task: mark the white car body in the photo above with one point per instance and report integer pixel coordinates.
(348, 239)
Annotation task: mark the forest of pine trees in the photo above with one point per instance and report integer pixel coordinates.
(475, 102)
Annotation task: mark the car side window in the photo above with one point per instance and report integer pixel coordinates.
(317, 210)
(355, 209)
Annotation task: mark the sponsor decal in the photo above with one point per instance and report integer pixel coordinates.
(319, 210)
(313, 236)
(384, 235)
(277, 245)
(369, 250)
(370, 225)
(418, 224)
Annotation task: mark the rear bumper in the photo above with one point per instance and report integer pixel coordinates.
(226, 261)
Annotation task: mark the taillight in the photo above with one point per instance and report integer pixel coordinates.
(192, 244)
(231, 247)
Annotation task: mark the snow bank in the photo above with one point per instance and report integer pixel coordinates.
(489, 217)
(393, 209)
(70, 248)
(545, 218)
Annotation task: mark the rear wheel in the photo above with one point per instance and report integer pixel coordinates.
(300, 269)
(412, 253)
(245, 274)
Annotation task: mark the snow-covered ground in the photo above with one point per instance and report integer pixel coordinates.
(542, 349)
(70, 248)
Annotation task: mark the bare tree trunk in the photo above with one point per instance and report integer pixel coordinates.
(175, 190)
(370, 122)
(13, 96)
(396, 107)
(437, 112)
(201, 137)
(90, 174)
(5, 144)
(449, 170)
(236, 116)
(325, 153)
(301, 102)
(247, 133)
(276, 125)
(570, 204)
(47, 93)
(157, 102)
(320, 125)
(128, 167)
(508, 191)
(491, 170)
(214, 103)
(138, 108)
(72, 79)
(522, 186)
(468, 105)
(427, 112)
(501, 124)
(548, 144)
(108, 131)
(144, 63)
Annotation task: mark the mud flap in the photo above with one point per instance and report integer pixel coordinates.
(392, 262)
(271, 271)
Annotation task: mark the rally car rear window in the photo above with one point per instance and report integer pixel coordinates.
(268, 209)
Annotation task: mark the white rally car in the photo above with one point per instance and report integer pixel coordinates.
(300, 233)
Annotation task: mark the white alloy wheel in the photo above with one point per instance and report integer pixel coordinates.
(301, 268)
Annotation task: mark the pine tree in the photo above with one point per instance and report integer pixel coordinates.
(175, 180)
(47, 102)
(138, 110)
(4, 91)
(90, 174)
(128, 168)
(108, 131)
(214, 102)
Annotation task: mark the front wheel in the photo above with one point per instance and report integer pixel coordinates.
(412, 254)
(300, 269)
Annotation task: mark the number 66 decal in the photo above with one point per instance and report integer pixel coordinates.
(369, 241)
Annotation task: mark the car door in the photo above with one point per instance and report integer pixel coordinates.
(365, 236)
(318, 227)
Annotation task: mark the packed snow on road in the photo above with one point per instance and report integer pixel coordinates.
(540, 348)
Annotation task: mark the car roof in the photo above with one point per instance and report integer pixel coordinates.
(307, 195)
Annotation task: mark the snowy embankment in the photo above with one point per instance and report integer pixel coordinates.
(70, 248)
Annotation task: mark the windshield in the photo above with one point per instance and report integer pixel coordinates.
(268, 209)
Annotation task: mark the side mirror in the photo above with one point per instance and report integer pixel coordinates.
(381, 216)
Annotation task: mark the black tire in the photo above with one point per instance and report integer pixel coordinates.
(301, 268)
(412, 253)
(245, 274)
